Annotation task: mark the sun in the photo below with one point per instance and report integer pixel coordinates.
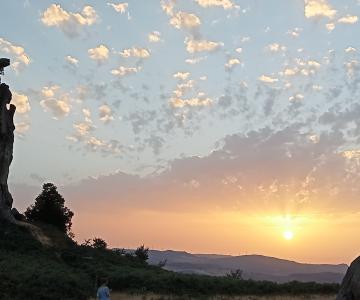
(288, 235)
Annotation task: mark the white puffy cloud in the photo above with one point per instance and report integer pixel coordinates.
(154, 37)
(100, 53)
(184, 20)
(105, 114)
(349, 19)
(54, 102)
(135, 52)
(17, 52)
(195, 101)
(231, 63)
(225, 4)
(275, 47)
(22, 127)
(319, 8)
(119, 7)
(71, 60)
(193, 45)
(123, 71)
(21, 102)
(181, 75)
(268, 79)
(196, 60)
(70, 23)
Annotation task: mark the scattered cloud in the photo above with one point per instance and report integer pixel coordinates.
(181, 75)
(21, 102)
(100, 53)
(119, 7)
(225, 4)
(268, 79)
(17, 52)
(318, 9)
(154, 37)
(71, 60)
(105, 114)
(55, 102)
(193, 46)
(135, 52)
(275, 47)
(183, 20)
(124, 71)
(349, 19)
(68, 22)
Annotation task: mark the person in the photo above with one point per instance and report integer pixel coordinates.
(103, 292)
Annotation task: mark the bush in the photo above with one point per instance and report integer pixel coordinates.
(142, 253)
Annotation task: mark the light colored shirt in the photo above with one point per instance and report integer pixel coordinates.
(103, 293)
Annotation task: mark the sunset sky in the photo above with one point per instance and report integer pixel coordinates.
(210, 126)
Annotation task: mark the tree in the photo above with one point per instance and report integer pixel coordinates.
(142, 253)
(49, 208)
(99, 243)
(236, 274)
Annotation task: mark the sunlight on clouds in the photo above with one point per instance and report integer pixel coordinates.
(275, 47)
(21, 102)
(154, 37)
(59, 106)
(196, 60)
(105, 114)
(348, 19)
(21, 57)
(68, 22)
(123, 71)
(184, 20)
(119, 7)
(22, 127)
(225, 4)
(319, 8)
(268, 79)
(181, 75)
(193, 46)
(100, 53)
(231, 63)
(135, 52)
(72, 60)
(196, 101)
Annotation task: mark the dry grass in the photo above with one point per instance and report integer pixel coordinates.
(120, 296)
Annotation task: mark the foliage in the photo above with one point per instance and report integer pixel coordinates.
(235, 274)
(142, 253)
(49, 208)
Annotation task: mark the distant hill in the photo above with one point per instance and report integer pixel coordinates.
(255, 267)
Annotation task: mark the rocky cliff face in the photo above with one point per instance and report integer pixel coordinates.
(7, 128)
(350, 287)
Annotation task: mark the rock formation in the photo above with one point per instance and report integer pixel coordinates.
(7, 128)
(350, 286)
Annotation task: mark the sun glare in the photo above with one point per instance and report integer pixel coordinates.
(288, 235)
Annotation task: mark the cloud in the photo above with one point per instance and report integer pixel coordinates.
(225, 4)
(135, 52)
(21, 102)
(21, 58)
(193, 46)
(319, 8)
(183, 20)
(196, 101)
(196, 60)
(349, 19)
(68, 22)
(154, 37)
(105, 114)
(54, 102)
(275, 47)
(268, 79)
(231, 63)
(22, 127)
(124, 71)
(181, 75)
(71, 60)
(119, 7)
(100, 53)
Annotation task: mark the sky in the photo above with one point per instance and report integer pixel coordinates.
(210, 126)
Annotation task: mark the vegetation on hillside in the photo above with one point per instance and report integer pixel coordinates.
(67, 270)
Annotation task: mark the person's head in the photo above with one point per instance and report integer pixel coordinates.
(104, 281)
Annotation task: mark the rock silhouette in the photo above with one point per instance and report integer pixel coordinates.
(350, 286)
(7, 128)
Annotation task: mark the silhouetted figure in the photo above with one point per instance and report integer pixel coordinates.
(103, 292)
(7, 128)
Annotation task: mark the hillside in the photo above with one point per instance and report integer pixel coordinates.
(255, 267)
(62, 269)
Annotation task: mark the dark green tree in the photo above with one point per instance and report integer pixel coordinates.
(49, 208)
(99, 243)
(142, 253)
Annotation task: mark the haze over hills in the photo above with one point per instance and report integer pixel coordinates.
(256, 267)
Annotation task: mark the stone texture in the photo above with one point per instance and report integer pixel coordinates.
(350, 286)
(7, 128)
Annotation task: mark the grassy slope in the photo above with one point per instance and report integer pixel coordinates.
(28, 270)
